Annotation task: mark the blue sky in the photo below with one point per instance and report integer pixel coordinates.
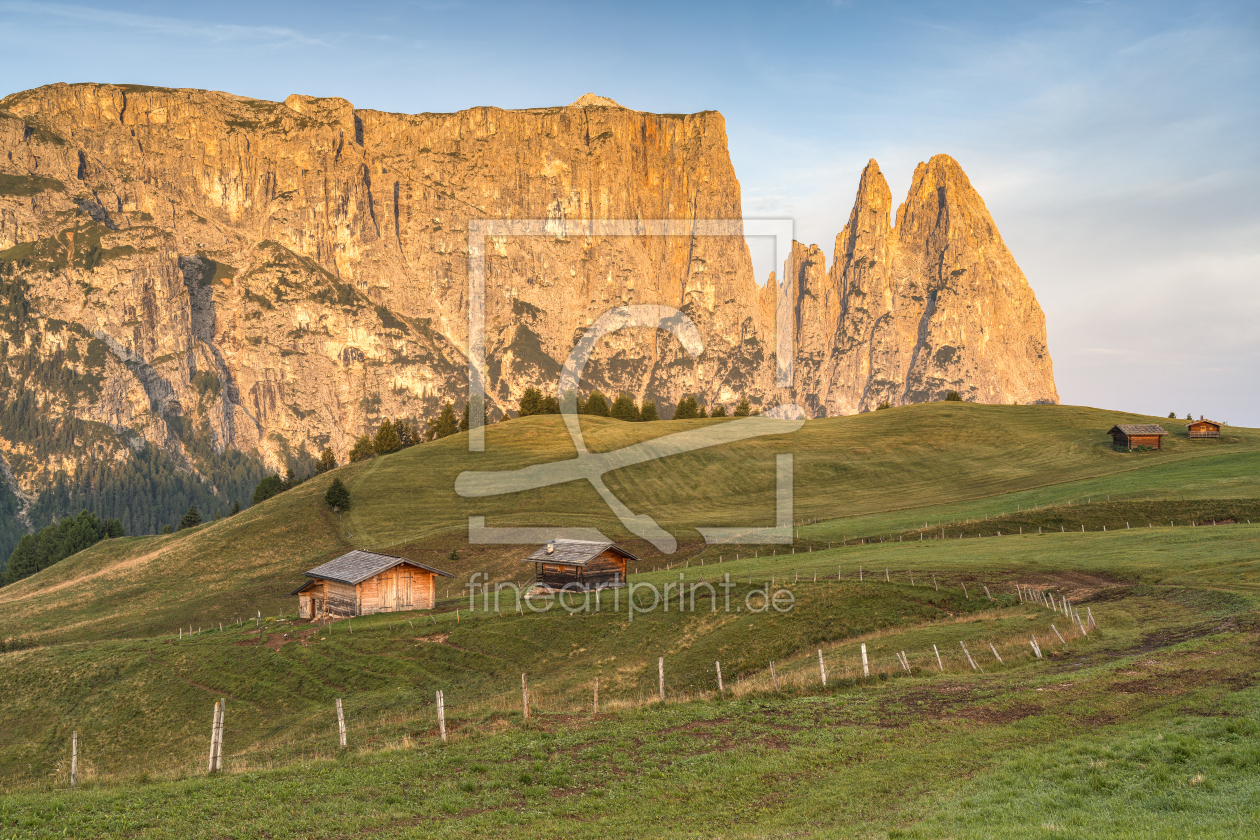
(1115, 143)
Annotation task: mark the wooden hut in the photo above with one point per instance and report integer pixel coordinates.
(363, 582)
(1202, 429)
(1142, 434)
(580, 565)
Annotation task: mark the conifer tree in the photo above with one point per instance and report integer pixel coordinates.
(647, 412)
(743, 409)
(550, 405)
(236, 508)
(191, 519)
(337, 497)
(531, 402)
(446, 423)
(687, 409)
(327, 460)
(386, 440)
(362, 449)
(597, 405)
(268, 487)
(718, 411)
(623, 408)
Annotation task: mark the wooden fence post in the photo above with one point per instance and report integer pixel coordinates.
(934, 584)
(996, 655)
(974, 666)
(886, 574)
(214, 735)
(774, 677)
(597, 695)
(525, 697)
(866, 668)
(660, 670)
(905, 663)
(1036, 647)
(1057, 633)
(441, 713)
(74, 759)
(341, 724)
(939, 664)
(912, 577)
(721, 690)
(1092, 623)
(986, 592)
(965, 592)
(822, 669)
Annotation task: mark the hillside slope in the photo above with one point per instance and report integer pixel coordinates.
(868, 472)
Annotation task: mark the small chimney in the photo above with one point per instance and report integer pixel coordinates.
(1200, 416)
(551, 548)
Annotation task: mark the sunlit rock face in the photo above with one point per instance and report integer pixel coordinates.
(280, 277)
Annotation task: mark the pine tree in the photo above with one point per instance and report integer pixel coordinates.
(337, 497)
(531, 403)
(597, 405)
(445, 425)
(623, 408)
(290, 480)
(166, 529)
(477, 400)
(362, 449)
(551, 405)
(648, 413)
(743, 409)
(386, 440)
(700, 410)
(718, 411)
(191, 519)
(268, 487)
(687, 409)
(403, 431)
(236, 508)
(327, 460)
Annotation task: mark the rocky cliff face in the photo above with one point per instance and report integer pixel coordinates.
(205, 273)
(909, 312)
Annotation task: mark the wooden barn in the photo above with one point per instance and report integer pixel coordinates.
(1142, 434)
(362, 583)
(1204, 429)
(580, 565)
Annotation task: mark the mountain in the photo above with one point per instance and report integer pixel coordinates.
(199, 286)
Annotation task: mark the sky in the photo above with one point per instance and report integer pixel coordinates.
(1116, 144)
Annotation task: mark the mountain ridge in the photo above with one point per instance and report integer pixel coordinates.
(211, 274)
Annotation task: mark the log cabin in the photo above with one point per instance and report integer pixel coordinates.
(363, 582)
(1203, 429)
(580, 565)
(1142, 434)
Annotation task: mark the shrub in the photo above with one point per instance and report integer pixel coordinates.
(743, 409)
(953, 396)
(718, 411)
(883, 405)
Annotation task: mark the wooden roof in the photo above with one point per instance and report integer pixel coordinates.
(1203, 420)
(575, 552)
(1138, 429)
(357, 566)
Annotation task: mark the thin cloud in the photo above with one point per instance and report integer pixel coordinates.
(167, 26)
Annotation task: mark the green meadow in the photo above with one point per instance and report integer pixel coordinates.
(1146, 726)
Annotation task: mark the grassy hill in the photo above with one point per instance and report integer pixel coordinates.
(871, 474)
(1067, 741)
